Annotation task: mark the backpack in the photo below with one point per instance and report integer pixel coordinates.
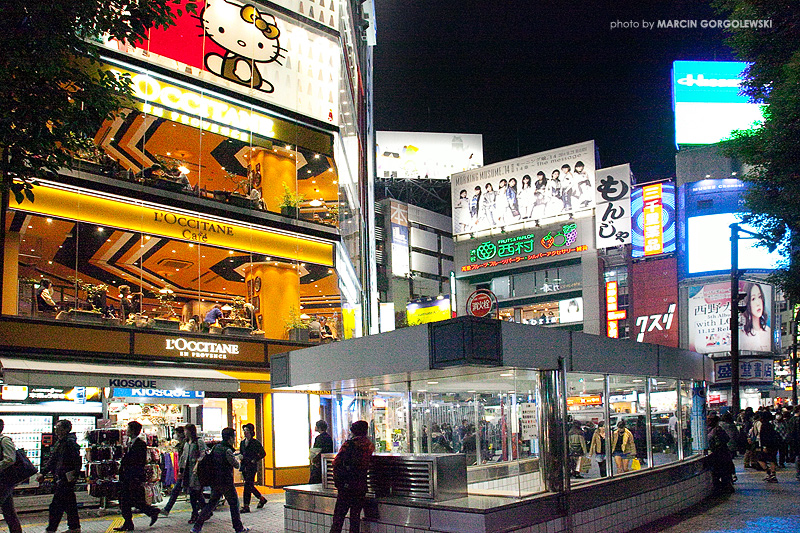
(768, 436)
(206, 469)
(345, 469)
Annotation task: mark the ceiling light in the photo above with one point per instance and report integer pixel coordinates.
(507, 375)
(49, 220)
(315, 203)
(433, 383)
(184, 170)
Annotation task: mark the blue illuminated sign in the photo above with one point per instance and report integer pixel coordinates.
(158, 393)
(708, 81)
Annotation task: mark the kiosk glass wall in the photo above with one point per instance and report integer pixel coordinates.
(664, 420)
(586, 404)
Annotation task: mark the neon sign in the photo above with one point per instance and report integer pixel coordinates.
(524, 244)
(517, 259)
(613, 313)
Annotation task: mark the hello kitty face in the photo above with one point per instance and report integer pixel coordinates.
(242, 30)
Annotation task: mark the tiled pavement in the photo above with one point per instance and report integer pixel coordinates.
(266, 520)
(756, 507)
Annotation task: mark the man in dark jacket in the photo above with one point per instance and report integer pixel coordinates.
(132, 478)
(252, 452)
(64, 464)
(324, 444)
(225, 461)
(350, 469)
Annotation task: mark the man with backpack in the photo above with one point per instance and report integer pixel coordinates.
(65, 465)
(220, 478)
(350, 477)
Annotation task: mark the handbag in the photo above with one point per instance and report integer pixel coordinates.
(636, 464)
(313, 454)
(584, 464)
(20, 471)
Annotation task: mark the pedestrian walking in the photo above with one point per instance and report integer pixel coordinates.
(177, 488)
(767, 441)
(726, 423)
(252, 452)
(9, 457)
(350, 468)
(720, 460)
(783, 432)
(794, 439)
(132, 478)
(65, 465)
(577, 448)
(225, 461)
(623, 448)
(192, 451)
(597, 448)
(322, 444)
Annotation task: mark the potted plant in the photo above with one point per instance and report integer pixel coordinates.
(96, 297)
(296, 328)
(239, 323)
(168, 318)
(289, 202)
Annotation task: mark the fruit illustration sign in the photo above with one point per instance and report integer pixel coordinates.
(248, 48)
(528, 247)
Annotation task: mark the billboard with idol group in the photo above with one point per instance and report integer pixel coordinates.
(530, 188)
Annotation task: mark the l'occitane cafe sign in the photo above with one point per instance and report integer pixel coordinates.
(74, 205)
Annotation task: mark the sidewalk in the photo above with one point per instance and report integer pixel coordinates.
(756, 507)
(266, 520)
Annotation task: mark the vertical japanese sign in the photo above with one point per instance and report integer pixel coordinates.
(654, 292)
(613, 212)
(653, 222)
(530, 425)
(613, 313)
(401, 265)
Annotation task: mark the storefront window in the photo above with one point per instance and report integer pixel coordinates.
(492, 418)
(501, 287)
(664, 420)
(587, 440)
(628, 403)
(215, 417)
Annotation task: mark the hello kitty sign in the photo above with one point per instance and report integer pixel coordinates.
(248, 48)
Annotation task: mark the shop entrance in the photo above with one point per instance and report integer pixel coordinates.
(221, 411)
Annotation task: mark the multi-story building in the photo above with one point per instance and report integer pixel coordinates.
(239, 178)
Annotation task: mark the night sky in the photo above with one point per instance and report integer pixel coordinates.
(540, 74)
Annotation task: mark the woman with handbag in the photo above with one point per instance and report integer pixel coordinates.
(597, 448)
(9, 457)
(193, 449)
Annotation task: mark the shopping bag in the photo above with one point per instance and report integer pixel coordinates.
(584, 464)
(635, 464)
(20, 471)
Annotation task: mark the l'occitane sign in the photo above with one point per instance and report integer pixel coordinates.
(61, 203)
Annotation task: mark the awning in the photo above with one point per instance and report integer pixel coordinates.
(59, 374)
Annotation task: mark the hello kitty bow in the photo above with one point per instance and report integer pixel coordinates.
(250, 14)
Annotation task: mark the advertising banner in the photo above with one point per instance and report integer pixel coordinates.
(533, 187)
(401, 263)
(523, 248)
(708, 101)
(430, 311)
(654, 299)
(711, 206)
(653, 226)
(251, 49)
(613, 212)
(432, 156)
(750, 371)
(709, 313)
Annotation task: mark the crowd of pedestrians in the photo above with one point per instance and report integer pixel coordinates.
(64, 464)
(767, 438)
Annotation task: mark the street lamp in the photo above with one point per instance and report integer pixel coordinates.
(735, 230)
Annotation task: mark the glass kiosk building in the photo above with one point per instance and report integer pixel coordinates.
(503, 397)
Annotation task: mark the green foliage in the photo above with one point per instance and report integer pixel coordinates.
(55, 94)
(289, 198)
(772, 152)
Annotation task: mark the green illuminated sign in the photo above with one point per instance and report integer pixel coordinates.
(523, 244)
